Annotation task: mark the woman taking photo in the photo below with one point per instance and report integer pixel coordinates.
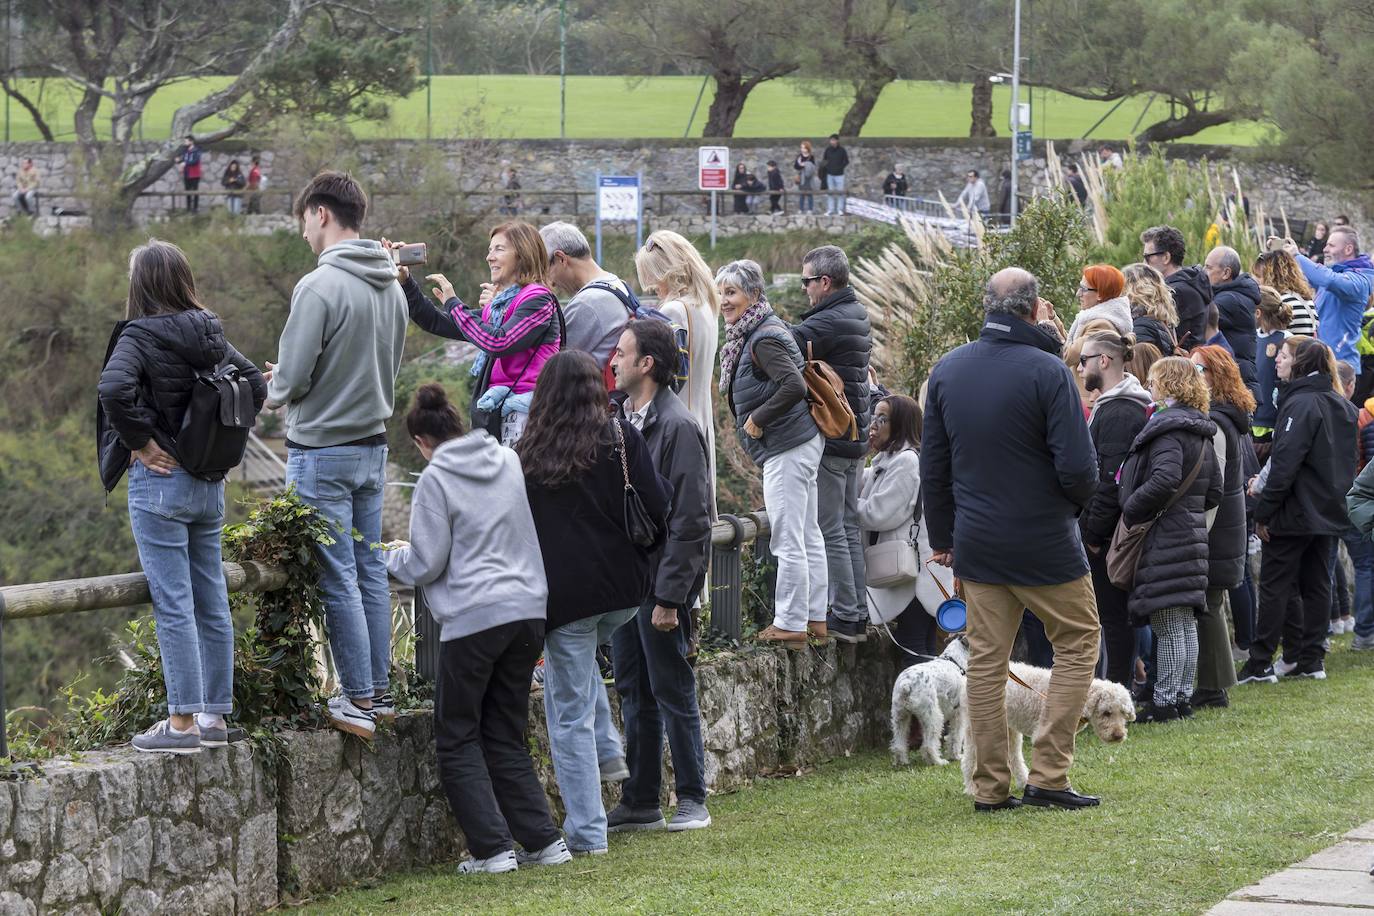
(517, 325)
(761, 378)
(470, 506)
(578, 464)
(168, 339)
(1280, 270)
(1229, 538)
(1153, 315)
(1172, 454)
(670, 265)
(890, 510)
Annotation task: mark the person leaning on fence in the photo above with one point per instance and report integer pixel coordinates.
(805, 167)
(579, 464)
(651, 653)
(1001, 499)
(890, 510)
(517, 325)
(167, 340)
(474, 553)
(761, 379)
(595, 314)
(26, 182)
(338, 358)
(234, 182)
(255, 185)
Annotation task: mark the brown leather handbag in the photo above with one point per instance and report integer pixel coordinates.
(1128, 541)
(825, 393)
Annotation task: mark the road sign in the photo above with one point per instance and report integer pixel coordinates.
(1023, 145)
(617, 197)
(713, 168)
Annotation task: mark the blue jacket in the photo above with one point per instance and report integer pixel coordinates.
(1006, 459)
(1343, 292)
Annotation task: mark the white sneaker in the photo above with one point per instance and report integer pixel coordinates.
(556, 853)
(1349, 624)
(498, 864)
(346, 717)
(1283, 668)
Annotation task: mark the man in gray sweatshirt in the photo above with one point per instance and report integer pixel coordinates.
(595, 314)
(336, 373)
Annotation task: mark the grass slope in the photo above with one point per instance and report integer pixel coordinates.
(612, 106)
(1192, 810)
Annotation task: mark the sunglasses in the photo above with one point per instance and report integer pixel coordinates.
(1083, 360)
(807, 281)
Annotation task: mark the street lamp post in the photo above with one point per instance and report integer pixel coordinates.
(562, 69)
(1015, 104)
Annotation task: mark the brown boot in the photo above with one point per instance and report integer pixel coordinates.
(791, 639)
(819, 631)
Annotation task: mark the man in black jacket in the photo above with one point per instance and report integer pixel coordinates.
(1006, 466)
(834, 161)
(653, 676)
(1163, 249)
(1236, 295)
(1118, 416)
(836, 330)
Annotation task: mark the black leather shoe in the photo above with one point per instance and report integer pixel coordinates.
(1058, 798)
(1006, 804)
(1204, 698)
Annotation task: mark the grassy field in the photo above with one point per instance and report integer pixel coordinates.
(612, 106)
(1192, 811)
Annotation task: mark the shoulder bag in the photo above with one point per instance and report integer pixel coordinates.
(639, 524)
(1128, 541)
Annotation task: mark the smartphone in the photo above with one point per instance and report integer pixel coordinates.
(411, 255)
(1275, 243)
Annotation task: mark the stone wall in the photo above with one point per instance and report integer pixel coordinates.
(933, 166)
(233, 831)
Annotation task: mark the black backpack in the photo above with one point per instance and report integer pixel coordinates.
(219, 417)
(639, 310)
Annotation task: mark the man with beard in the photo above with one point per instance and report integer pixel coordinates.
(1118, 416)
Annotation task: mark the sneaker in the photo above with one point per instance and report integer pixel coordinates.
(355, 720)
(1283, 668)
(1253, 672)
(1184, 709)
(1315, 672)
(1362, 643)
(1349, 624)
(851, 631)
(498, 864)
(163, 739)
(690, 815)
(556, 853)
(221, 735)
(614, 770)
(383, 708)
(624, 819)
(537, 679)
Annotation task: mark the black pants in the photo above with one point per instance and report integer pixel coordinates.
(481, 708)
(192, 198)
(915, 630)
(658, 694)
(1118, 636)
(774, 203)
(1039, 650)
(1243, 608)
(1294, 567)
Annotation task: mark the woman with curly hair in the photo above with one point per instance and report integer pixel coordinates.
(1154, 316)
(1280, 270)
(1173, 454)
(1227, 569)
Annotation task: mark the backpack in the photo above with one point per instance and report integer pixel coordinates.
(829, 406)
(639, 310)
(214, 431)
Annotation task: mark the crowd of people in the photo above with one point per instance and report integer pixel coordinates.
(573, 506)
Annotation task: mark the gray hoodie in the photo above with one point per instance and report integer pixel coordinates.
(1129, 388)
(473, 547)
(341, 348)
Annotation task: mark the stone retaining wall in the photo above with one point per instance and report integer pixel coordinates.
(233, 831)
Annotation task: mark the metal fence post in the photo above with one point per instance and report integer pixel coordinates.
(727, 582)
(426, 640)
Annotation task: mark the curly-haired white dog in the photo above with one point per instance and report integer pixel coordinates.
(931, 693)
(1108, 708)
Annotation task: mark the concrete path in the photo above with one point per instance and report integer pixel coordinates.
(1335, 880)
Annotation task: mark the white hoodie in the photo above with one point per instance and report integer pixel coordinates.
(1117, 311)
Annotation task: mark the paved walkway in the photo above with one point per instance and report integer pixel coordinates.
(1335, 880)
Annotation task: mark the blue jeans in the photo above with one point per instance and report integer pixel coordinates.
(581, 733)
(344, 483)
(834, 202)
(1361, 551)
(658, 688)
(177, 521)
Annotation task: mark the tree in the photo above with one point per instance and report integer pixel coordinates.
(741, 43)
(320, 57)
(960, 41)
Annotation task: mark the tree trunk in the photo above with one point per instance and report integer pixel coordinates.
(728, 104)
(982, 108)
(866, 94)
(1173, 128)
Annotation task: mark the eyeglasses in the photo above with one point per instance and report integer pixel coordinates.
(1146, 255)
(881, 420)
(1085, 289)
(807, 281)
(1083, 360)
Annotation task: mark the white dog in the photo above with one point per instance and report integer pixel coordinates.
(1108, 708)
(931, 693)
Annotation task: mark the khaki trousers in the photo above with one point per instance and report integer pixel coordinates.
(1069, 613)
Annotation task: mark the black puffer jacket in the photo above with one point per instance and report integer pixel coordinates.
(1229, 536)
(1118, 416)
(839, 333)
(1312, 464)
(1236, 300)
(1173, 565)
(1192, 295)
(1152, 331)
(150, 367)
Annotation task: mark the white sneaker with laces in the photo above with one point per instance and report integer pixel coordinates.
(556, 853)
(1283, 668)
(347, 717)
(498, 864)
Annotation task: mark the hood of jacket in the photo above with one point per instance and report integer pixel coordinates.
(364, 258)
(1117, 311)
(1194, 277)
(1316, 381)
(1359, 262)
(1005, 326)
(1239, 419)
(1128, 389)
(1244, 285)
(474, 459)
(1179, 418)
(194, 335)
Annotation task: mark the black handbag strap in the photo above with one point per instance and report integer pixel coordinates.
(1187, 481)
(624, 463)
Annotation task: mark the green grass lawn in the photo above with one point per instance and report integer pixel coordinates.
(1191, 811)
(612, 106)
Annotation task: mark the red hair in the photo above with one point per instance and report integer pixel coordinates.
(1106, 279)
